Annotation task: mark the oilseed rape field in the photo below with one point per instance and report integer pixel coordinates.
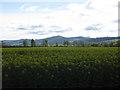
(57, 67)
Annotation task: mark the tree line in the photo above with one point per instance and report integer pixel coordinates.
(75, 43)
(33, 43)
(67, 43)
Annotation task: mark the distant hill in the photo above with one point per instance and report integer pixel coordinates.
(61, 39)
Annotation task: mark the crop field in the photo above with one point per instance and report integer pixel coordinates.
(81, 67)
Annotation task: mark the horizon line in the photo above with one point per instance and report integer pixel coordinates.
(60, 36)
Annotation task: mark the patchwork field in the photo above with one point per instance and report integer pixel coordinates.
(81, 67)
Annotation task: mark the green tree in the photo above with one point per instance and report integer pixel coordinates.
(45, 43)
(3, 43)
(33, 44)
(95, 44)
(75, 43)
(105, 44)
(25, 43)
(81, 43)
(66, 43)
(118, 43)
(111, 44)
(57, 44)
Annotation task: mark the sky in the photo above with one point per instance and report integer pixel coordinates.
(70, 18)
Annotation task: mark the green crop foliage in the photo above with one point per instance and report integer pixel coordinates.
(82, 67)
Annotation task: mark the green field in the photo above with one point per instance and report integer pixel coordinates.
(81, 67)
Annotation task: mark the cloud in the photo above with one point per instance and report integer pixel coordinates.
(29, 27)
(34, 8)
(88, 6)
(95, 18)
(20, 28)
(34, 27)
(94, 27)
(38, 33)
(91, 28)
(55, 26)
(60, 30)
(23, 6)
(27, 7)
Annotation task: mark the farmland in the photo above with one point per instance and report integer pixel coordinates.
(81, 67)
